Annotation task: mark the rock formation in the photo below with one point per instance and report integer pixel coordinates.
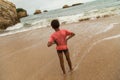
(45, 11)
(37, 12)
(66, 6)
(8, 14)
(21, 12)
(77, 4)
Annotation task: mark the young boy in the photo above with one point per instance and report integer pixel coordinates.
(60, 37)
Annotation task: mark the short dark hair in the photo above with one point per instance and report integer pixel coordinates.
(55, 23)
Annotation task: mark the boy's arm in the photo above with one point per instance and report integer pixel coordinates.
(50, 44)
(70, 36)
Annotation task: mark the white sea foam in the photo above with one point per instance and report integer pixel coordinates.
(104, 39)
(21, 30)
(70, 19)
(17, 26)
(107, 28)
(112, 37)
(93, 14)
(110, 27)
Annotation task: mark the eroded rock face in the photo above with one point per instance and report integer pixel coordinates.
(37, 12)
(8, 14)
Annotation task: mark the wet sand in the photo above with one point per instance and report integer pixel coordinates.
(94, 51)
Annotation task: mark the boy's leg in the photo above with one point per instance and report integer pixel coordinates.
(60, 54)
(66, 52)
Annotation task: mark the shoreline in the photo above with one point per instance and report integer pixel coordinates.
(64, 20)
(94, 53)
(7, 33)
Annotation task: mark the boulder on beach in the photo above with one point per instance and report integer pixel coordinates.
(37, 12)
(21, 13)
(8, 14)
(66, 6)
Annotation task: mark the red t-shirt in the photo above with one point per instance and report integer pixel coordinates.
(60, 38)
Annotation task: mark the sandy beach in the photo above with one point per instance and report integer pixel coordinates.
(94, 51)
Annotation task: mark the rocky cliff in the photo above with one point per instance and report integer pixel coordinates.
(8, 14)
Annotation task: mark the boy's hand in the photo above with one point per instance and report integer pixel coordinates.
(49, 44)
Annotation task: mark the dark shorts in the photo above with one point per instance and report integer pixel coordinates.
(61, 51)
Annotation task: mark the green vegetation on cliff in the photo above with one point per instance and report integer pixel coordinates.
(20, 10)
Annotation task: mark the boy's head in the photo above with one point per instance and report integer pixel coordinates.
(55, 24)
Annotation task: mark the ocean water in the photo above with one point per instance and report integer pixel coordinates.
(90, 10)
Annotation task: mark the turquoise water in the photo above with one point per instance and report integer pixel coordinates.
(98, 4)
(68, 15)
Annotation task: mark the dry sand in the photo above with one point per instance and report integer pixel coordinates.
(94, 51)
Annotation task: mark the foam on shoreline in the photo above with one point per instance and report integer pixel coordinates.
(90, 15)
